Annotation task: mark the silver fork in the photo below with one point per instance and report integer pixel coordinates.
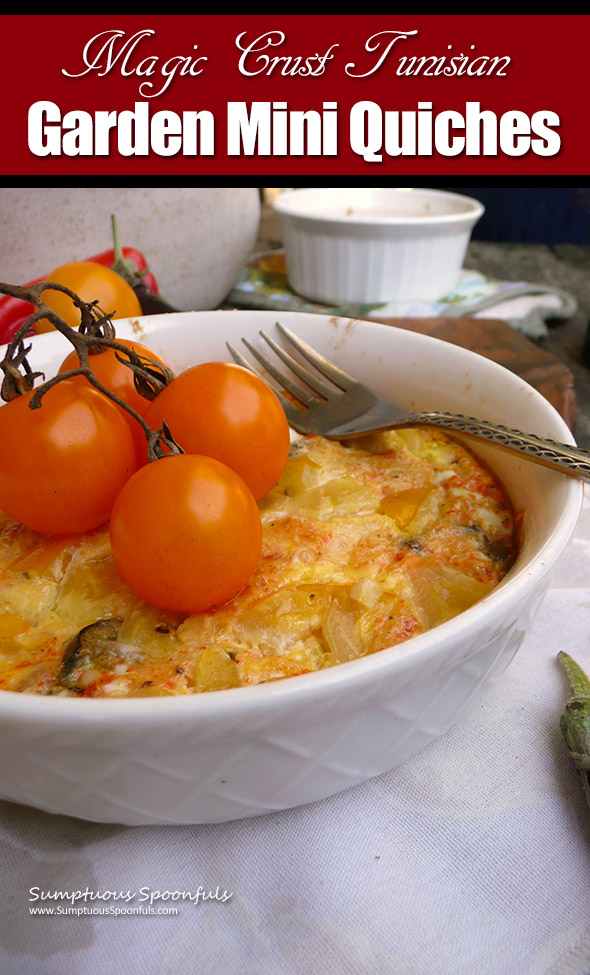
(346, 408)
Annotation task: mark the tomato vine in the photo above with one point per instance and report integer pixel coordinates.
(95, 333)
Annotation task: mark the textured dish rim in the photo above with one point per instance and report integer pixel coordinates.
(283, 205)
(233, 702)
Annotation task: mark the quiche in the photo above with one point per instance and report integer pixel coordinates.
(365, 544)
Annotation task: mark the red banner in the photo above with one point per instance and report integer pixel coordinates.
(376, 95)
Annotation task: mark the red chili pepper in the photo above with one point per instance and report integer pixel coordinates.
(14, 311)
(10, 331)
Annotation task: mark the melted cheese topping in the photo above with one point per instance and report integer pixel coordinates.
(364, 545)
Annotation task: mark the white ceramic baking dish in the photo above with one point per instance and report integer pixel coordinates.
(251, 750)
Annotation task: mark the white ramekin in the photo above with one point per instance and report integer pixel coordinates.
(363, 245)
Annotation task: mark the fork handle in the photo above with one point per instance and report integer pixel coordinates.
(562, 457)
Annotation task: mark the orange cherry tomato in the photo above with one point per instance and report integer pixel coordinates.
(118, 378)
(224, 411)
(185, 533)
(64, 463)
(91, 282)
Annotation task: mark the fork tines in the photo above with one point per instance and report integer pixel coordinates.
(322, 365)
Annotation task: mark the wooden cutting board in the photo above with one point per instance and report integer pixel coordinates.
(497, 340)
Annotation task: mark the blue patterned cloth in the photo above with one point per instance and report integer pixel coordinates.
(526, 306)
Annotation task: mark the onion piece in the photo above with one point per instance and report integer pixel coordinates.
(341, 634)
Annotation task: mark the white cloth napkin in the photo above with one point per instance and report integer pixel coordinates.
(473, 857)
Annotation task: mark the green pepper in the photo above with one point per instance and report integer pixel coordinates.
(575, 719)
